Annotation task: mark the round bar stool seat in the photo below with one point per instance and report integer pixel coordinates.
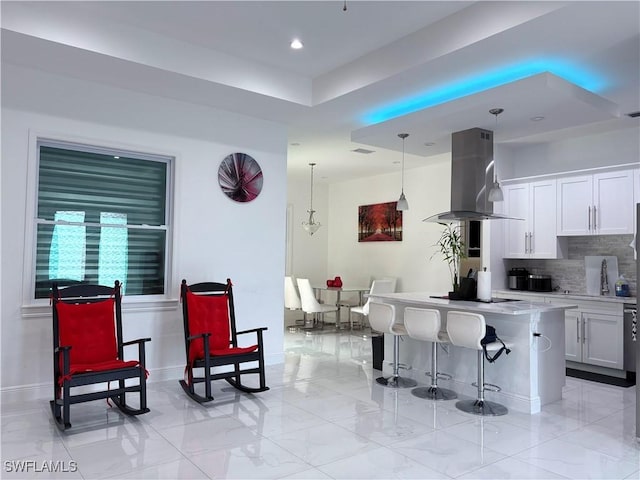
(382, 319)
(425, 325)
(466, 329)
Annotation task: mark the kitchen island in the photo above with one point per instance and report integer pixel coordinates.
(532, 375)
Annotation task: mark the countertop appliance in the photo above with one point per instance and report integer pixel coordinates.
(539, 283)
(518, 279)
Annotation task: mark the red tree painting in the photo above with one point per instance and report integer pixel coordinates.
(380, 222)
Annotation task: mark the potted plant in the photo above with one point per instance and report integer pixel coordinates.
(451, 246)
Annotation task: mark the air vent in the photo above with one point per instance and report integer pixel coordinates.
(363, 150)
(633, 114)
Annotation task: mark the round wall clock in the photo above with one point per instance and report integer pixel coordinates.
(240, 177)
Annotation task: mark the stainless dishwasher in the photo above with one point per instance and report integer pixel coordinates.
(637, 343)
(630, 338)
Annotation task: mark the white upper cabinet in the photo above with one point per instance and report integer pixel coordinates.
(535, 235)
(574, 205)
(601, 204)
(516, 205)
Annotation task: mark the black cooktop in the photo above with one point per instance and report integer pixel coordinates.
(493, 299)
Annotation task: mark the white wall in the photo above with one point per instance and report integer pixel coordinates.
(309, 251)
(214, 237)
(428, 192)
(599, 150)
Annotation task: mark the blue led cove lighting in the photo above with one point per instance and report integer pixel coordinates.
(486, 81)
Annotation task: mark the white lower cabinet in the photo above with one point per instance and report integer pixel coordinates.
(594, 332)
(572, 329)
(595, 338)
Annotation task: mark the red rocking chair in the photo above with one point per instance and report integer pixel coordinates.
(88, 349)
(211, 340)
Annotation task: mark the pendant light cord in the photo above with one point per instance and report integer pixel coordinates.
(311, 199)
(495, 112)
(402, 176)
(402, 136)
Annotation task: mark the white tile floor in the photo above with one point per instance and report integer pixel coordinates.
(325, 417)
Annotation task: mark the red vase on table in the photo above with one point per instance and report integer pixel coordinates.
(337, 282)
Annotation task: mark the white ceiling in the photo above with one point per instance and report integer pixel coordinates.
(236, 56)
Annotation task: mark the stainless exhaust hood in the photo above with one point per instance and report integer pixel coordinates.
(471, 177)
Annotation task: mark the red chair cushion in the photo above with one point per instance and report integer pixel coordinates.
(89, 329)
(95, 367)
(210, 314)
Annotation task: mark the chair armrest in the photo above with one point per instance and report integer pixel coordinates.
(141, 350)
(133, 342)
(57, 370)
(252, 330)
(200, 335)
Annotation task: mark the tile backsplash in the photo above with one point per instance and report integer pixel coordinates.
(569, 273)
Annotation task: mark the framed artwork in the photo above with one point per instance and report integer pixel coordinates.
(380, 222)
(240, 177)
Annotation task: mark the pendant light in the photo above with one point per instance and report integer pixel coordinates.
(495, 194)
(311, 226)
(402, 201)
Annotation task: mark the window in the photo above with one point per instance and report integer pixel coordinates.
(101, 216)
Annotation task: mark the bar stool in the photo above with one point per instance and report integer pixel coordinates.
(466, 329)
(382, 319)
(424, 324)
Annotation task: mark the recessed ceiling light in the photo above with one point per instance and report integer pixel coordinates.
(537, 118)
(296, 44)
(116, 157)
(429, 144)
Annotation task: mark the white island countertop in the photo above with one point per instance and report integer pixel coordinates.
(512, 307)
(532, 375)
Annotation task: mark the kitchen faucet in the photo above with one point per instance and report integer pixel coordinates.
(604, 281)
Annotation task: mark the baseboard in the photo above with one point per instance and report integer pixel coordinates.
(629, 381)
(44, 391)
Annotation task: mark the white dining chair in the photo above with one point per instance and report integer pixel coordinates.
(377, 286)
(310, 304)
(292, 299)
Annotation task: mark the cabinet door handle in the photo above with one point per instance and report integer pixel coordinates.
(530, 242)
(584, 331)
(525, 242)
(589, 217)
(577, 330)
(595, 227)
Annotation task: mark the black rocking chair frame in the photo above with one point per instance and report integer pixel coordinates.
(63, 399)
(208, 362)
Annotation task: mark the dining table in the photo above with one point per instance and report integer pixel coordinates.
(338, 292)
